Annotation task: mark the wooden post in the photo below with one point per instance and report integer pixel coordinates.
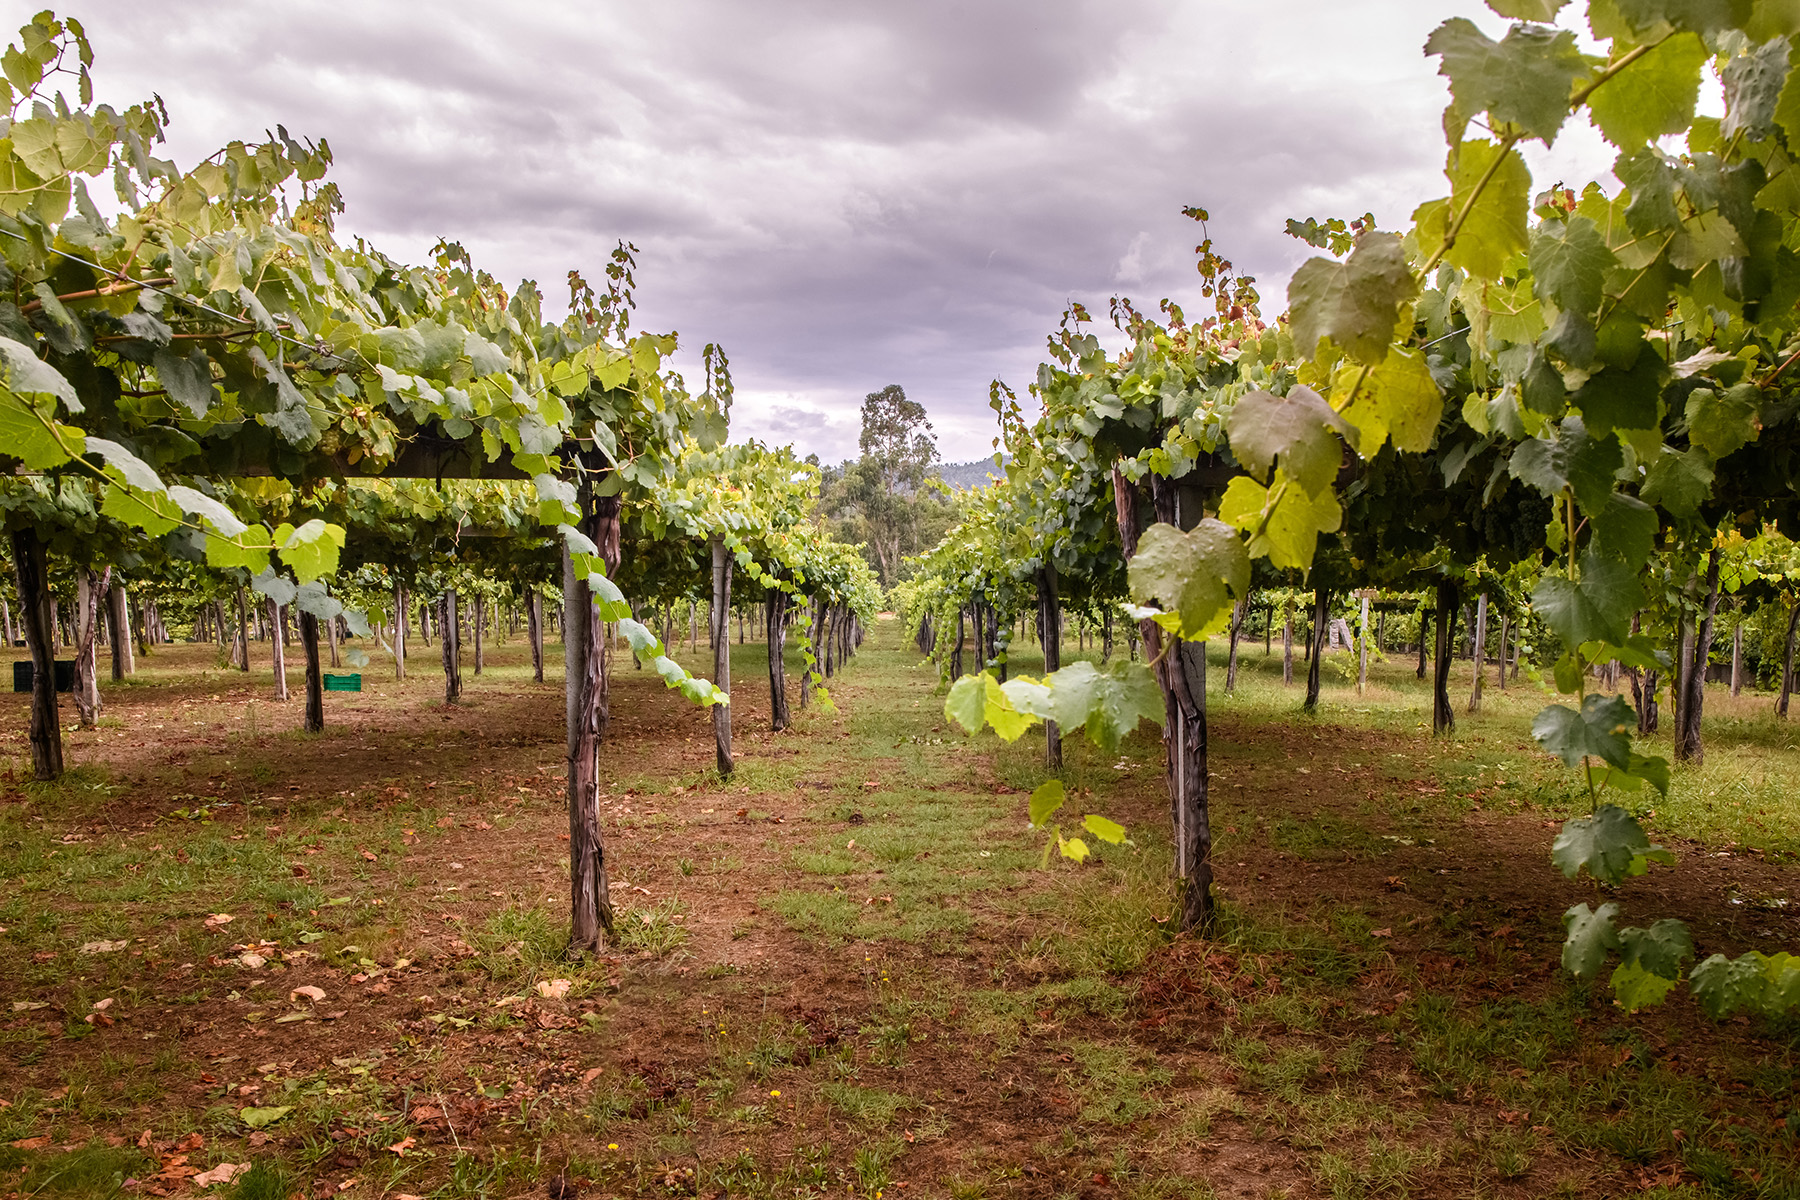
(477, 619)
(449, 641)
(242, 642)
(1737, 658)
(534, 620)
(6, 617)
(1788, 661)
(1479, 652)
(315, 683)
(721, 613)
(1287, 647)
(1362, 666)
(1050, 625)
(37, 618)
(118, 631)
(1505, 633)
(277, 651)
(331, 637)
(775, 607)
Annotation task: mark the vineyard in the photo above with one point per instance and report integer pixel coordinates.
(1344, 750)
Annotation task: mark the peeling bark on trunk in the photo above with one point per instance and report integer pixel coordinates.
(584, 664)
(1505, 630)
(956, 649)
(1287, 649)
(721, 612)
(91, 588)
(243, 631)
(37, 618)
(1689, 746)
(315, 682)
(1237, 630)
(1737, 659)
(449, 639)
(1443, 714)
(1321, 623)
(1182, 674)
(775, 610)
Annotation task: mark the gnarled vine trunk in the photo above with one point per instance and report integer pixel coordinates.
(584, 663)
(37, 618)
(1050, 637)
(1688, 744)
(1443, 713)
(315, 683)
(721, 631)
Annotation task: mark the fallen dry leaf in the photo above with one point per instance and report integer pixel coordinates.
(592, 1073)
(31, 1143)
(369, 854)
(1382, 933)
(104, 947)
(315, 994)
(218, 919)
(403, 1145)
(223, 1173)
(553, 989)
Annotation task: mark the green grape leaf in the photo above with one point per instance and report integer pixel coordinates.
(1283, 521)
(1398, 400)
(1700, 16)
(27, 435)
(1046, 799)
(1108, 704)
(1522, 80)
(607, 597)
(188, 379)
(1636, 987)
(1107, 831)
(1753, 84)
(248, 549)
(1356, 303)
(1590, 935)
(643, 643)
(1567, 674)
(997, 710)
(1595, 608)
(1072, 848)
(1610, 844)
(1719, 425)
(1198, 575)
(964, 704)
(1652, 97)
(124, 466)
(313, 598)
(205, 507)
(1569, 260)
(1767, 984)
(311, 551)
(1622, 398)
(1660, 949)
(277, 587)
(1625, 529)
(1653, 770)
(152, 512)
(1494, 191)
(1679, 481)
(1570, 457)
(1598, 730)
(24, 374)
(1296, 429)
(1541, 11)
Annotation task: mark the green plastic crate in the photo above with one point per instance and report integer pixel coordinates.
(343, 683)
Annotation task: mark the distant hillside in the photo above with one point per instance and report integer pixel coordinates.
(962, 476)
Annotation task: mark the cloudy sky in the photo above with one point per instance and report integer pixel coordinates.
(845, 194)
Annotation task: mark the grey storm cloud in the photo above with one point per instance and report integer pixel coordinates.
(842, 194)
